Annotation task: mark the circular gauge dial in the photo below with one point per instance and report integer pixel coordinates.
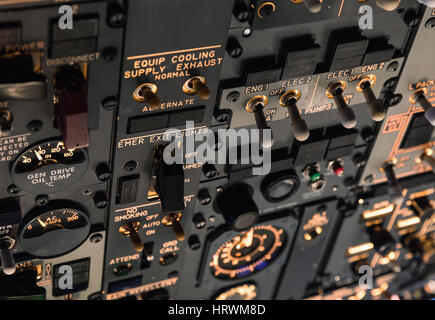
(49, 167)
(248, 253)
(54, 232)
(247, 291)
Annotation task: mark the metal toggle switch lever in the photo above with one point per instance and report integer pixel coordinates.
(298, 125)
(197, 86)
(394, 188)
(7, 259)
(147, 93)
(345, 113)
(420, 97)
(428, 157)
(173, 220)
(130, 229)
(256, 105)
(376, 111)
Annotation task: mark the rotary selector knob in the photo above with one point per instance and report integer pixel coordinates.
(238, 208)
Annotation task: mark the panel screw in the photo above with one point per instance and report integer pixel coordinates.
(103, 172)
(390, 83)
(234, 48)
(87, 192)
(109, 103)
(95, 296)
(369, 178)
(241, 12)
(233, 96)
(199, 220)
(222, 116)
(115, 16)
(393, 66)
(109, 54)
(130, 166)
(34, 126)
(209, 170)
(100, 200)
(194, 242)
(430, 24)
(367, 134)
(95, 238)
(411, 19)
(41, 200)
(394, 100)
(204, 196)
(13, 189)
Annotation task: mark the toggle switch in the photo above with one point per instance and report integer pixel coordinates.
(130, 230)
(173, 220)
(313, 5)
(7, 259)
(147, 93)
(298, 125)
(419, 97)
(197, 86)
(345, 113)
(382, 240)
(427, 156)
(71, 107)
(256, 105)
(10, 218)
(388, 5)
(169, 186)
(5, 123)
(422, 207)
(376, 111)
(18, 79)
(394, 188)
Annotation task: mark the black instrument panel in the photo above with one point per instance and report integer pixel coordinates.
(229, 150)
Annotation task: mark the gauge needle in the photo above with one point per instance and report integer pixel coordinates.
(38, 155)
(42, 223)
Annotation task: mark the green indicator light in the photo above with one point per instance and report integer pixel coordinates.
(315, 176)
